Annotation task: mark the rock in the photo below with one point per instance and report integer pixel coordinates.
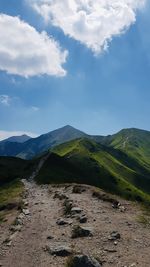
(78, 189)
(21, 216)
(67, 206)
(61, 221)
(115, 204)
(75, 210)
(50, 237)
(15, 228)
(26, 212)
(60, 196)
(9, 244)
(122, 209)
(82, 219)
(18, 221)
(79, 231)
(61, 251)
(26, 203)
(83, 261)
(114, 236)
(111, 250)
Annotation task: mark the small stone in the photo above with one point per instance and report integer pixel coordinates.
(26, 212)
(111, 250)
(82, 219)
(15, 228)
(114, 236)
(79, 231)
(9, 244)
(26, 203)
(122, 209)
(133, 265)
(50, 237)
(62, 251)
(61, 221)
(76, 210)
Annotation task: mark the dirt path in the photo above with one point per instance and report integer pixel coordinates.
(28, 246)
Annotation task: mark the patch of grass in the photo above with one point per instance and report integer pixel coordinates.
(103, 196)
(10, 197)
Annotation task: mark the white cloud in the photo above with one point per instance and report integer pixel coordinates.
(92, 22)
(7, 134)
(26, 52)
(5, 100)
(34, 108)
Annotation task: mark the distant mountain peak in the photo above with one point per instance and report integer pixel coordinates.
(18, 139)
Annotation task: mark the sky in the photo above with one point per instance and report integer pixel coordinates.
(78, 62)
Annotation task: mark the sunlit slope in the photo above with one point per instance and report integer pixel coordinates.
(134, 142)
(86, 161)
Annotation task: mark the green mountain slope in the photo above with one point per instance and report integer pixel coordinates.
(86, 161)
(134, 142)
(14, 168)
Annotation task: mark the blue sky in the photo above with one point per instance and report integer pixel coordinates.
(95, 90)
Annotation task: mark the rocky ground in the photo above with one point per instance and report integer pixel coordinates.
(60, 221)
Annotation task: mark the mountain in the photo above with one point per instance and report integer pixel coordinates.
(134, 142)
(35, 146)
(85, 161)
(17, 139)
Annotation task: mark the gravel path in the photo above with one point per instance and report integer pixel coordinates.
(39, 230)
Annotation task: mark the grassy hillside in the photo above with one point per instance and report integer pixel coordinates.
(87, 162)
(12, 170)
(135, 143)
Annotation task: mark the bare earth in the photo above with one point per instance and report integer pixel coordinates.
(27, 247)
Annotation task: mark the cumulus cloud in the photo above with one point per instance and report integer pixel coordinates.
(26, 52)
(92, 22)
(5, 100)
(7, 134)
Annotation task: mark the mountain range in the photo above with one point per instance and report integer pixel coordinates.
(18, 139)
(118, 163)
